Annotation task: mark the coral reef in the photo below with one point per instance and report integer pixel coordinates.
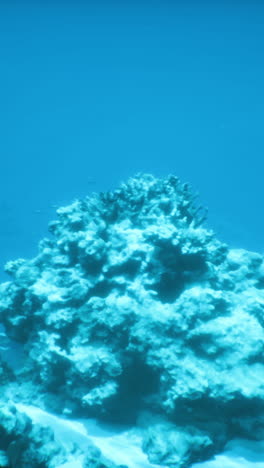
(24, 445)
(134, 313)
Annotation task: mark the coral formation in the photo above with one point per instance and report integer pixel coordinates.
(134, 313)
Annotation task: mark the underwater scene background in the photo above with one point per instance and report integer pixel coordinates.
(131, 321)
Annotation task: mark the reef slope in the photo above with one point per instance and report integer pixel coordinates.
(135, 314)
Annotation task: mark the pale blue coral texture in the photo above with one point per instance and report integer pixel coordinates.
(135, 314)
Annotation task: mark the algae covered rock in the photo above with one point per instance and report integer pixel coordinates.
(134, 308)
(24, 445)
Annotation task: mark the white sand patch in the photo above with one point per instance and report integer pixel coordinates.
(123, 446)
(239, 453)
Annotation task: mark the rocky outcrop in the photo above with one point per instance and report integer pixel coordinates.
(135, 313)
(24, 445)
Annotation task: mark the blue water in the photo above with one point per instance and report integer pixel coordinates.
(93, 92)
